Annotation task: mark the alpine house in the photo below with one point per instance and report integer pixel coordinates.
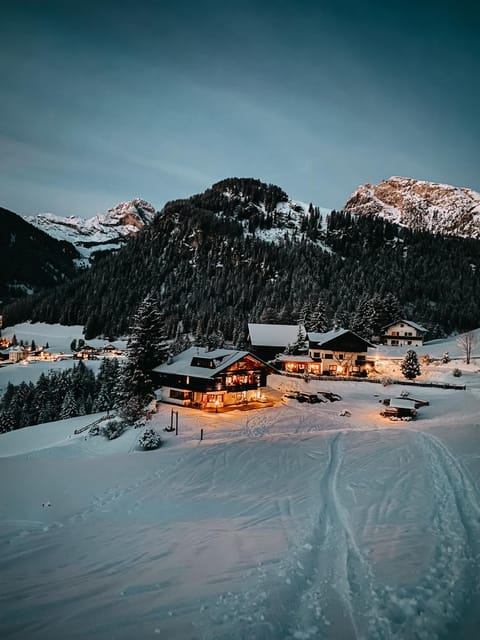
(207, 379)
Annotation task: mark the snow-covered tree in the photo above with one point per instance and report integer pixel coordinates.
(134, 391)
(69, 406)
(363, 318)
(410, 367)
(147, 345)
(320, 318)
(7, 420)
(305, 315)
(149, 440)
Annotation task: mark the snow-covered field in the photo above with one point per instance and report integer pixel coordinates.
(286, 522)
(59, 338)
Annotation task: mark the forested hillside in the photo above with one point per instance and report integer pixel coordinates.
(29, 258)
(212, 270)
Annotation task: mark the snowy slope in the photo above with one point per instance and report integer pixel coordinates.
(100, 233)
(291, 522)
(286, 221)
(420, 205)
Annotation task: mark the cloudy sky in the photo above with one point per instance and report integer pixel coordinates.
(105, 101)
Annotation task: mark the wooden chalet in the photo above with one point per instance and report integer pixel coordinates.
(211, 379)
(402, 333)
(339, 352)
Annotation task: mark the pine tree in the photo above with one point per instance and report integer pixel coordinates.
(362, 321)
(299, 346)
(147, 345)
(304, 317)
(410, 367)
(320, 319)
(69, 406)
(7, 420)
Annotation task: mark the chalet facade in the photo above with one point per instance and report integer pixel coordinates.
(402, 333)
(339, 352)
(211, 379)
(268, 340)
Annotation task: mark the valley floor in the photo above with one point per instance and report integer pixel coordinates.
(289, 522)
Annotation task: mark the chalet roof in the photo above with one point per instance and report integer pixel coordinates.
(323, 338)
(410, 323)
(222, 358)
(402, 403)
(273, 335)
(283, 357)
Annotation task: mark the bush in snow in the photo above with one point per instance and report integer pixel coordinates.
(386, 381)
(445, 358)
(149, 440)
(456, 373)
(410, 367)
(113, 429)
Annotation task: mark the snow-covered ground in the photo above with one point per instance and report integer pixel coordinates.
(59, 338)
(286, 522)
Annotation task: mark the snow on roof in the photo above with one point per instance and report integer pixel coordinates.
(327, 335)
(283, 357)
(410, 323)
(402, 403)
(273, 335)
(323, 338)
(181, 363)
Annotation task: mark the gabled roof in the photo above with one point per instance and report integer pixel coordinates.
(410, 323)
(181, 364)
(323, 338)
(273, 335)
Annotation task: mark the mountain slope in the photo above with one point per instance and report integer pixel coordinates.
(420, 205)
(29, 258)
(100, 233)
(207, 259)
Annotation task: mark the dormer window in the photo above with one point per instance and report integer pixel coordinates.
(205, 363)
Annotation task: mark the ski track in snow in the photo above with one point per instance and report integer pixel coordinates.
(326, 588)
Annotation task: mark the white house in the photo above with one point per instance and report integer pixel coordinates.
(402, 333)
(336, 352)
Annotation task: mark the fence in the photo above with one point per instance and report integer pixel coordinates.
(439, 385)
(91, 424)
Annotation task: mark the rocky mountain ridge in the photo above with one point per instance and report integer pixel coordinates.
(100, 233)
(420, 205)
(208, 260)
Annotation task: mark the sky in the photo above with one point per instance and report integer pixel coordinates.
(102, 102)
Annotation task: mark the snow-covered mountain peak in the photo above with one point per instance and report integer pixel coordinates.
(420, 205)
(136, 213)
(102, 232)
